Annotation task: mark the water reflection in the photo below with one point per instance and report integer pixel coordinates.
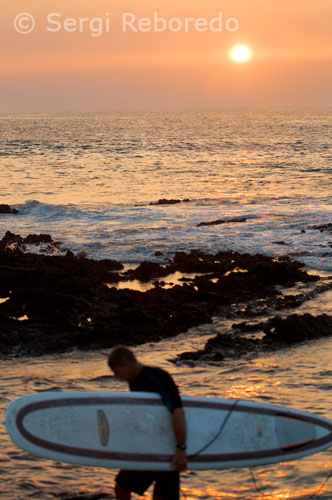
(297, 377)
(177, 278)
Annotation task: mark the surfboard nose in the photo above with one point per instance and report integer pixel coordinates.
(293, 432)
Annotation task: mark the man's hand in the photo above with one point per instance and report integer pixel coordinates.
(180, 460)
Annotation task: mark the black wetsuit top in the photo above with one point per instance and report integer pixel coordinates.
(153, 379)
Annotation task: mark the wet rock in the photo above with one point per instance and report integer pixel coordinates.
(10, 238)
(296, 328)
(56, 303)
(34, 239)
(323, 227)
(220, 347)
(222, 221)
(113, 277)
(277, 333)
(43, 242)
(289, 330)
(164, 201)
(282, 271)
(199, 262)
(6, 209)
(147, 271)
(259, 269)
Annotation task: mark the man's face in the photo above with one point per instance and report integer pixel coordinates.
(124, 372)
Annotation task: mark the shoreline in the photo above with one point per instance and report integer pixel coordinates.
(55, 303)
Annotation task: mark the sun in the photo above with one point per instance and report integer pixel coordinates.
(240, 53)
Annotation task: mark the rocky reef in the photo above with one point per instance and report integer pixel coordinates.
(53, 301)
(165, 201)
(6, 209)
(277, 332)
(222, 221)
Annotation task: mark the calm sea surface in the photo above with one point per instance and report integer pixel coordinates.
(88, 179)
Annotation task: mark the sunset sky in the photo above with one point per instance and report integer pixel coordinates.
(290, 63)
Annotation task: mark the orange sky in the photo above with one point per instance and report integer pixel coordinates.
(291, 41)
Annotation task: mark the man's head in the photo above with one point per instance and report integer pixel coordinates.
(122, 361)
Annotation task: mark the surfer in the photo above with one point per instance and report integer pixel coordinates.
(125, 366)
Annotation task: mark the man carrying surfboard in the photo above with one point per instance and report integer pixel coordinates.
(122, 361)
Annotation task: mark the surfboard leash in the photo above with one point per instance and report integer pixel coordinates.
(258, 489)
(220, 431)
(310, 497)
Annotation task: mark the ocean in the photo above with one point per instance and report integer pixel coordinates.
(93, 180)
(88, 179)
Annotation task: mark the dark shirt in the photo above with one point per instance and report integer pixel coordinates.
(153, 379)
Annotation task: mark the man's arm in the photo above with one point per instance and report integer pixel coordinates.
(165, 385)
(180, 430)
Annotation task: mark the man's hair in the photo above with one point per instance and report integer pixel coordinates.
(120, 355)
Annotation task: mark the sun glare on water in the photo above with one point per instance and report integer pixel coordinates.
(240, 53)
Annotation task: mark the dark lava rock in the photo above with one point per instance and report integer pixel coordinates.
(199, 262)
(323, 227)
(296, 328)
(278, 333)
(281, 271)
(147, 271)
(55, 303)
(220, 347)
(6, 209)
(32, 239)
(164, 201)
(259, 269)
(222, 221)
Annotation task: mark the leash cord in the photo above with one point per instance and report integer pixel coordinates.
(220, 431)
(258, 489)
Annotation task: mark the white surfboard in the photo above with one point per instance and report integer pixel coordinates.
(133, 430)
